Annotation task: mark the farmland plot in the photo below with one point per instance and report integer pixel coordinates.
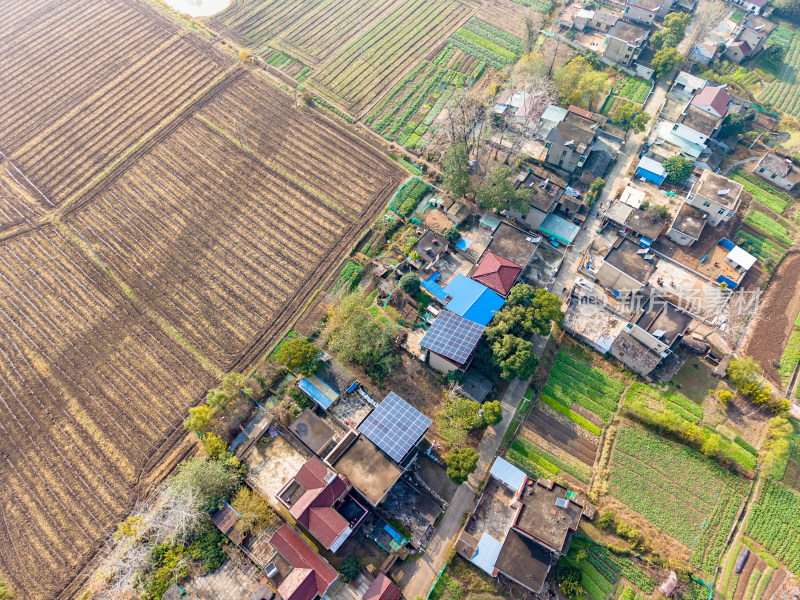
(83, 82)
(390, 48)
(89, 389)
(201, 254)
(677, 489)
(774, 522)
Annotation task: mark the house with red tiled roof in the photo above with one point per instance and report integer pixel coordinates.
(298, 573)
(382, 589)
(713, 100)
(315, 498)
(497, 273)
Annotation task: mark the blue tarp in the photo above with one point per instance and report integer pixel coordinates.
(731, 284)
(317, 392)
(433, 288)
(726, 243)
(463, 243)
(561, 229)
(472, 300)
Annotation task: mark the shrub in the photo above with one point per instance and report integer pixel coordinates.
(452, 235)
(606, 520)
(410, 283)
(492, 412)
(460, 463)
(724, 396)
(350, 568)
(299, 356)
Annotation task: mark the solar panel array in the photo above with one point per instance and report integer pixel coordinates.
(395, 426)
(452, 336)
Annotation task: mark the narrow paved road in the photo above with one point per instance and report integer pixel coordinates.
(418, 576)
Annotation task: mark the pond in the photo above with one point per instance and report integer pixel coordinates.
(199, 8)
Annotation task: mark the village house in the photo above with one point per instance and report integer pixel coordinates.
(778, 171)
(624, 43)
(713, 100)
(603, 19)
(716, 196)
(570, 142)
(727, 264)
(688, 84)
(520, 527)
(430, 247)
(546, 194)
(687, 226)
(645, 11)
(752, 6)
(296, 571)
(450, 343)
(754, 31)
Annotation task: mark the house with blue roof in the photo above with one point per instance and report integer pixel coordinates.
(651, 170)
(472, 300)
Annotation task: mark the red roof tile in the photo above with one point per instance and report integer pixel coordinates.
(314, 508)
(715, 97)
(497, 273)
(586, 114)
(298, 584)
(382, 589)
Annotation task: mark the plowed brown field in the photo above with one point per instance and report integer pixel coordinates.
(152, 237)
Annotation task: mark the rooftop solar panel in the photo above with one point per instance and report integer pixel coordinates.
(452, 336)
(395, 426)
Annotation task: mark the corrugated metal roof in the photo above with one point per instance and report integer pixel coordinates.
(488, 551)
(434, 289)
(472, 300)
(559, 228)
(655, 167)
(318, 390)
(508, 473)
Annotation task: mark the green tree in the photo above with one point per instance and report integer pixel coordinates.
(527, 311)
(213, 480)
(360, 337)
(455, 176)
(675, 24)
(232, 384)
(665, 60)
(462, 411)
(733, 124)
(788, 8)
(776, 448)
(724, 396)
(409, 283)
(606, 520)
(452, 234)
(521, 294)
(580, 84)
(255, 513)
(199, 418)
(299, 356)
(664, 38)
(678, 168)
(568, 578)
(774, 54)
(514, 356)
(350, 567)
(460, 463)
(631, 118)
(743, 371)
(5, 593)
(492, 412)
(498, 193)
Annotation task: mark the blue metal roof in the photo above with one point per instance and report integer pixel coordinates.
(508, 473)
(655, 167)
(317, 392)
(472, 300)
(488, 551)
(433, 288)
(463, 243)
(562, 229)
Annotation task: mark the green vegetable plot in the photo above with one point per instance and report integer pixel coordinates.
(678, 490)
(774, 522)
(763, 192)
(768, 226)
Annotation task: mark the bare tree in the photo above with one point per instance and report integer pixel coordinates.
(176, 516)
(120, 571)
(706, 18)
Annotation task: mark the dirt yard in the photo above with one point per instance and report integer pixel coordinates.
(768, 333)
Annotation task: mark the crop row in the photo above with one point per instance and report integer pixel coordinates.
(496, 36)
(597, 374)
(531, 467)
(768, 226)
(763, 192)
(598, 583)
(709, 546)
(763, 247)
(409, 196)
(783, 92)
(563, 409)
(492, 54)
(790, 358)
(550, 462)
(632, 89)
(774, 522)
(672, 486)
(607, 388)
(602, 395)
(540, 6)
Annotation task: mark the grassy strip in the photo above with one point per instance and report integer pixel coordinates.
(727, 569)
(571, 414)
(527, 465)
(524, 450)
(755, 576)
(763, 583)
(588, 569)
(790, 358)
(590, 586)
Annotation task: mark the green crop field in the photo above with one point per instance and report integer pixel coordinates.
(774, 522)
(677, 489)
(357, 78)
(762, 247)
(573, 381)
(769, 227)
(768, 195)
(632, 89)
(784, 92)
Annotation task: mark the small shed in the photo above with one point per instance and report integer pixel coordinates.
(560, 229)
(651, 170)
(319, 391)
